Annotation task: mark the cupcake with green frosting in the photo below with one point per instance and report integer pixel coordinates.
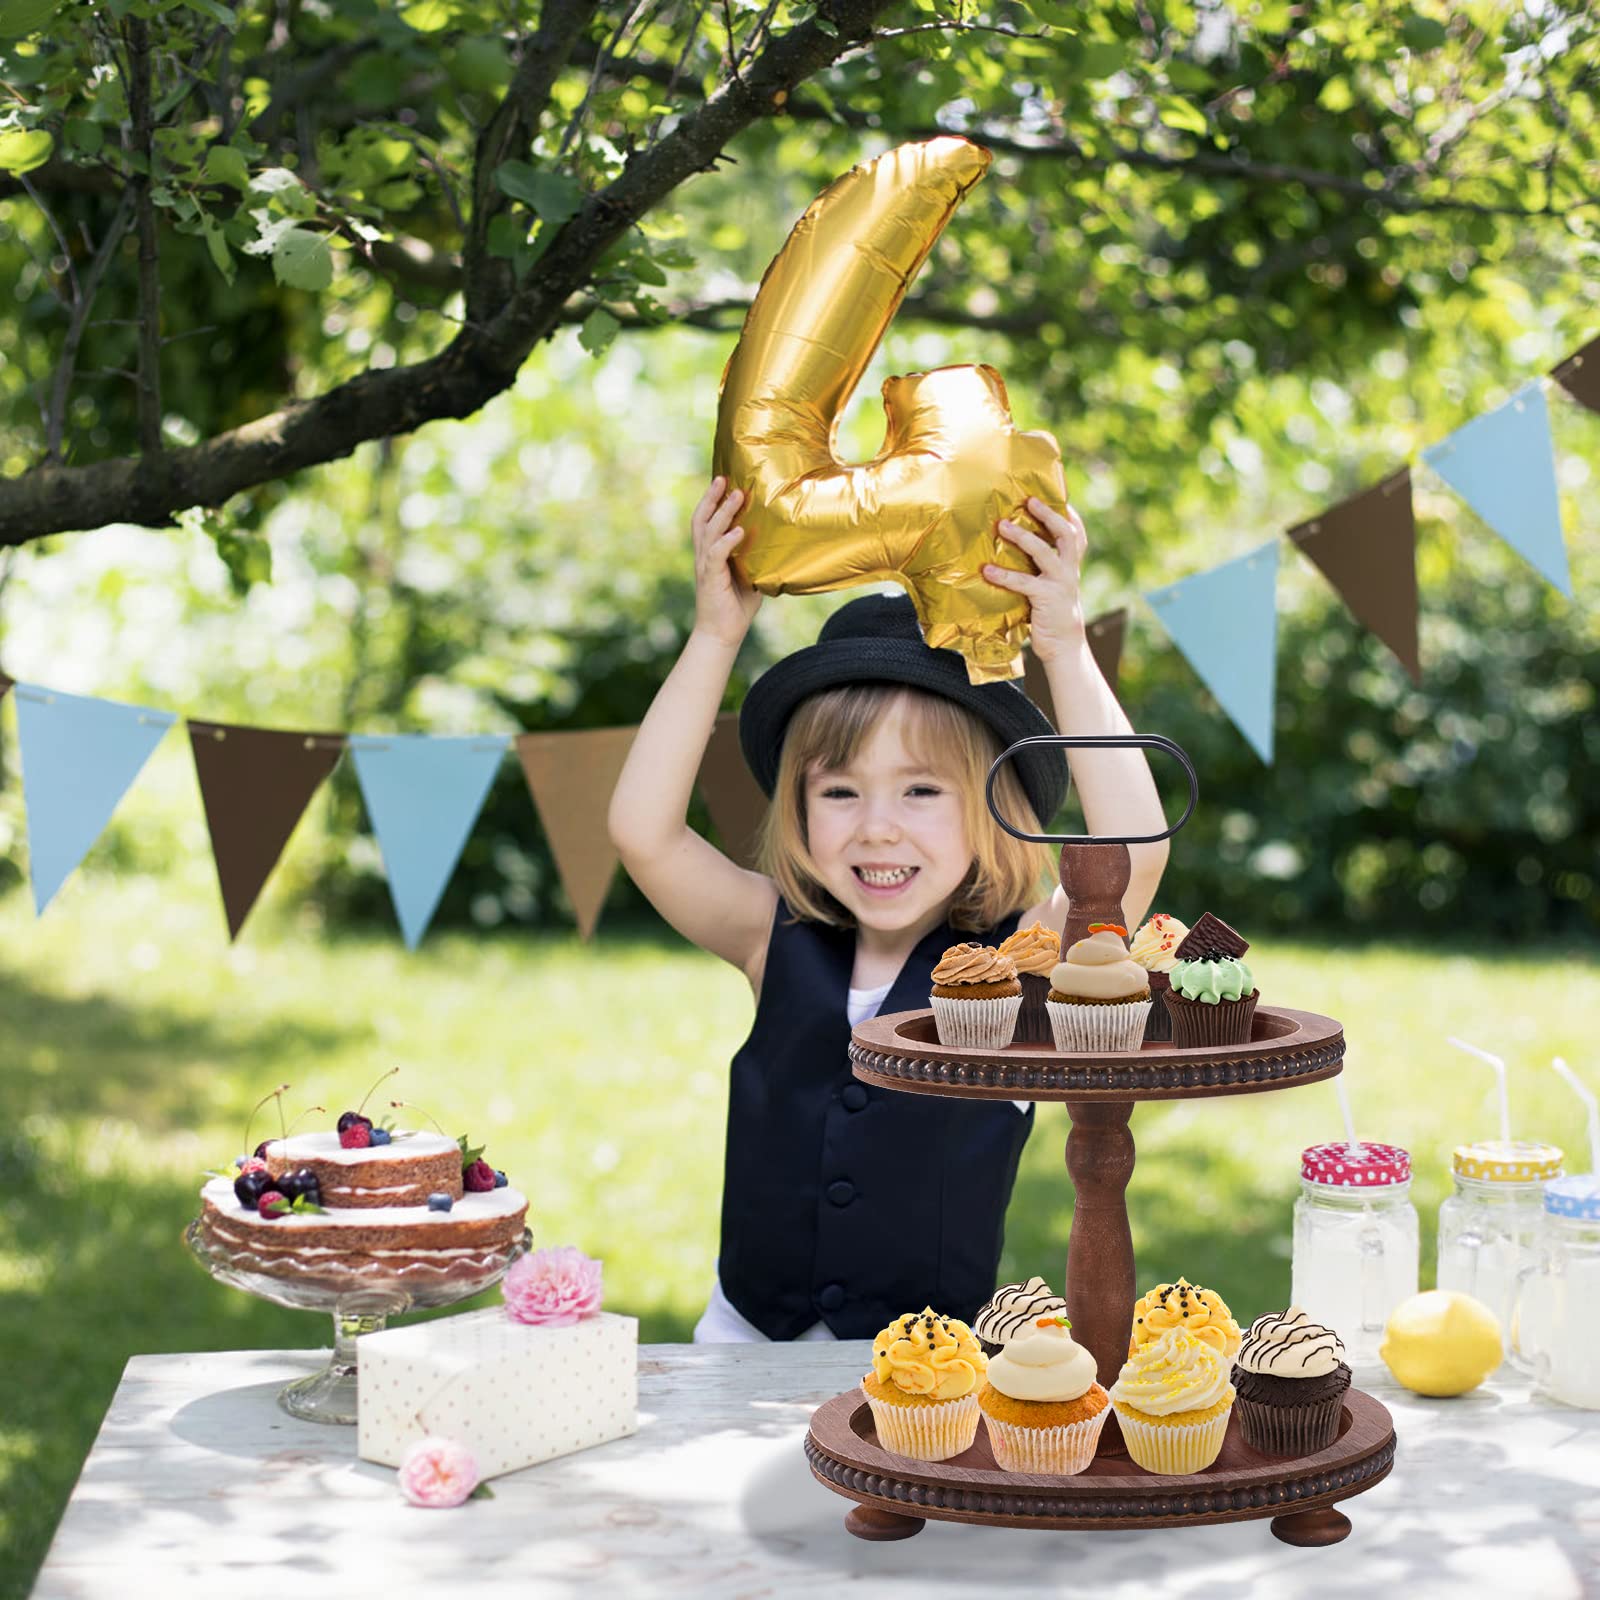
(1212, 998)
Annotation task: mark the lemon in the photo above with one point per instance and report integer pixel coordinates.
(1441, 1342)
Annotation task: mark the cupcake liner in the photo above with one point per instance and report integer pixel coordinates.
(933, 1431)
(1158, 1025)
(1118, 1027)
(1196, 1024)
(1172, 1445)
(1033, 1021)
(1061, 1451)
(1292, 1430)
(976, 1024)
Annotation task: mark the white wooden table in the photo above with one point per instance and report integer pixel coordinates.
(198, 1485)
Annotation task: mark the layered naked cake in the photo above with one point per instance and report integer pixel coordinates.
(403, 1173)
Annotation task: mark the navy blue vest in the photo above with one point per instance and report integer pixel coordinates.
(844, 1202)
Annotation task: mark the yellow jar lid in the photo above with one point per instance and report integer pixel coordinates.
(1502, 1161)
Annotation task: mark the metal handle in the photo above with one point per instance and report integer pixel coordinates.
(1095, 741)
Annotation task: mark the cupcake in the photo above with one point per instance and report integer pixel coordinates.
(1099, 995)
(1201, 1312)
(1041, 1407)
(1035, 951)
(1014, 1306)
(1291, 1376)
(923, 1387)
(1155, 948)
(1212, 998)
(1172, 1400)
(976, 997)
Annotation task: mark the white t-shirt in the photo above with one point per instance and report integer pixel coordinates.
(720, 1323)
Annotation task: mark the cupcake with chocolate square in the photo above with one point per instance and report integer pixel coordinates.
(923, 1387)
(1291, 1377)
(1099, 995)
(1155, 948)
(975, 997)
(1212, 998)
(1035, 951)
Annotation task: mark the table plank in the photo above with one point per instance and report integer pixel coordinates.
(198, 1482)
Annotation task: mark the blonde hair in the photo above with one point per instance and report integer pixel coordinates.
(829, 728)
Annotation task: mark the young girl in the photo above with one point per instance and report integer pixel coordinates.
(844, 1205)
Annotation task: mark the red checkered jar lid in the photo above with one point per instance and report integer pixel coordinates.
(1356, 1166)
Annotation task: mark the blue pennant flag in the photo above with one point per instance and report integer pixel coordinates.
(79, 757)
(1504, 466)
(1226, 622)
(423, 794)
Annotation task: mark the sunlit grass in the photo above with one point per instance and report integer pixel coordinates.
(134, 1041)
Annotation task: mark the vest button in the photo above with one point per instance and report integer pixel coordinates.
(854, 1096)
(841, 1192)
(831, 1296)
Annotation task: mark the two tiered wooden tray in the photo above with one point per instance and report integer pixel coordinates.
(894, 1495)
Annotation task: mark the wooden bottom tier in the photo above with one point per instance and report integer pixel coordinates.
(894, 1496)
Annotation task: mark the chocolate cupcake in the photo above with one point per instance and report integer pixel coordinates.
(975, 997)
(1212, 998)
(1035, 951)
(1291, 1378)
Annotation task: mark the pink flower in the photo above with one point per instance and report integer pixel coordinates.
(553, 1287)
(438, 1472)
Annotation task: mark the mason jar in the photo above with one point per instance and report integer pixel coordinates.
(1559, 1305)
(1355, 1240)
(1489, 1228)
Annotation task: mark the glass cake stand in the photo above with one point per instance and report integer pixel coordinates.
(361, 1299)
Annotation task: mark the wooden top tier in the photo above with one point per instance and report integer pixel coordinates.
(902, 1051)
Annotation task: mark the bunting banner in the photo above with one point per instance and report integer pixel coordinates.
(255, 784)
(1503, 465)
(79, 757)
(1226, 622)
(571, 776)
(422, 795)
(732, 796)
(1579, 375)
(1366, 547)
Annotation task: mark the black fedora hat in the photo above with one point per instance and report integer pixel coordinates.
(876, 639)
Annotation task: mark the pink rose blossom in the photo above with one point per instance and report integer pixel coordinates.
(438, 1472)
(553, 1288)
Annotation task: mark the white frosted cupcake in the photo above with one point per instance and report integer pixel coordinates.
(976, 998)
(1099, 995)
(1173, 1400)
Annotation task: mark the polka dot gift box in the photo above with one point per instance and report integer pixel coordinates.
(513, 1393)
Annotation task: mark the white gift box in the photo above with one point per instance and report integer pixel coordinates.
(514, 1394)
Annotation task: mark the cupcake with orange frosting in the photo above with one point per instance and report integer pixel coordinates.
(976, 997)
(923, 1387)
(1042, 1409)
(1201, 1312)
(1099, 995)
(1155, 948)
(1035, 951)
(1173, 1400)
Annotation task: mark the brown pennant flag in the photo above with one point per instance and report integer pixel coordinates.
(1579, 375)
(5, 684)
(1366, 547)
(256, 784)
(732, 796)
(571, 776)
(1105, 645)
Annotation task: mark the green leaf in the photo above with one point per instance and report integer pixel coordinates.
(18, 18)
(399, 195)
(305, 1206)
(224, 164)
(221, 255)
(554, 196)
(1102, 58)
(302, 260)
(428, 16)
(1422, 34)
(84, 135)
(598, 330)
(23, 149)
(479, 66)
(1177, 112)
(247, 557)
(482, 1492)
(469, 1153)
(217, 13)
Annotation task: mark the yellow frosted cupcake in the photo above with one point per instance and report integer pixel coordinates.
(923, 1387)
(1042, 1409)
(1202, 1312)
(1173, 1399)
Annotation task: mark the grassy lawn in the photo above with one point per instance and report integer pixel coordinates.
(133, 1042)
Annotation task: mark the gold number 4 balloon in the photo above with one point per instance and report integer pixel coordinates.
(923, 511)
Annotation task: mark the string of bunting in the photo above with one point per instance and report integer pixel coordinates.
(423, 792)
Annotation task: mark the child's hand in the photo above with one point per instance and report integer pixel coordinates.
(1055, 609)
(723, 602)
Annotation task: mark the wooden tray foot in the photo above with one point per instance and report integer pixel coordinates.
(1312, 1529)
(867, 1522)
